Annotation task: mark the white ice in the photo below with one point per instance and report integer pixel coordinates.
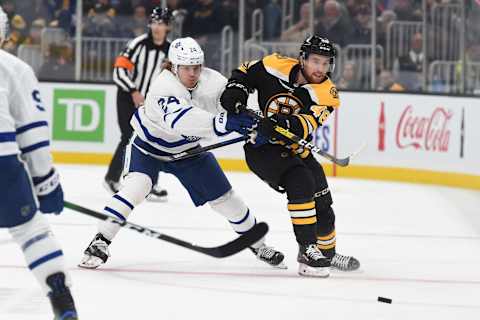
(418, 245)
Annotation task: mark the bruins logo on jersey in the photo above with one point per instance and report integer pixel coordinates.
(334, 92)
(283, 103)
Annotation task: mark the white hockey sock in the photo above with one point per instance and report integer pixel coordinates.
(236, 211)
(136, 187)
(42, 252)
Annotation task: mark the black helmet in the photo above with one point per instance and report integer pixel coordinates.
(160, 15)
(321, 46)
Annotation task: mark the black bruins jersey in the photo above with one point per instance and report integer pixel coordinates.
(274, 77)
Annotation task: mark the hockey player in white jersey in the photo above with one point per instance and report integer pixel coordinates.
(29, 184)
(181, 108)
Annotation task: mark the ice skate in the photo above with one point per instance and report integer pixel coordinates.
(312, 263)
(96, 254)
(344, 263)
(270, 256)
(60, 298)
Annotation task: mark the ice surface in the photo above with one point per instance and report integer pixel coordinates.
(418, 245)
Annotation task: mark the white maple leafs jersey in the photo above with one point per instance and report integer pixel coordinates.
(23, 120)
(173, 118)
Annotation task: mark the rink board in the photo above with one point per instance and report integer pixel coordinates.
(409, 137)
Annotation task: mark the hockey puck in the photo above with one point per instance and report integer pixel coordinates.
(384, 300)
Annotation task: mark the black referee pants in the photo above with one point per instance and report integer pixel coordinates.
(125, 110)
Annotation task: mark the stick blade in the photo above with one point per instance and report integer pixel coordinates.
(244, 241)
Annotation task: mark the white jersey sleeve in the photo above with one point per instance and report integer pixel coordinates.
(28, 115)
(170, 105)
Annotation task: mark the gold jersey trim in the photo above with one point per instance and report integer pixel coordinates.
(279, 66)
(324, 94)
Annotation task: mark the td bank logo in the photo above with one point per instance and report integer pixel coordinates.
(79, 115)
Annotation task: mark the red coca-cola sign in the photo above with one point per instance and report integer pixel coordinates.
(429, 133)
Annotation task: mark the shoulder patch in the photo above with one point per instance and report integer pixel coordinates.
(279, 66)
(324, 94)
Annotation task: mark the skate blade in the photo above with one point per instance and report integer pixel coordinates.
(281, 265)
(307, 271)
(337, 270)
(89, 262)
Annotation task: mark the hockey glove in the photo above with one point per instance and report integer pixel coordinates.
(49, 192)
(224, 123)
(256, 139)
(234, 95)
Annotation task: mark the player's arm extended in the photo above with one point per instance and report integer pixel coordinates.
(188, 120)
(239, 86)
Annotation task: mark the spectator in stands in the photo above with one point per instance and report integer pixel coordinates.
(272, 26)
(413, 60)
(59, 66)
(353, 6)
(204, 22)
(35, 34)
(35, 9)
(404, 10)
(362, 32)
(472, 71)
(349, 79)
(333, 24)
(139, 23)
(18, 30)
(385, 19)
(100, 22)
(63, 17)
(386, 82)
(410, 66)
(205, 17)
(301, 29)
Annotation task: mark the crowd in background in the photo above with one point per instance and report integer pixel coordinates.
(342, 21)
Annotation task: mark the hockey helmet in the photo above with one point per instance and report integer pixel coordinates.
(321, 46)
(3, 25)
(160, 15)
(185, 52)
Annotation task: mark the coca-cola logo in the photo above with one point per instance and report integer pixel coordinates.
(430, 133)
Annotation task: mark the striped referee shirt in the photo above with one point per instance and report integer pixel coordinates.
(139, 63)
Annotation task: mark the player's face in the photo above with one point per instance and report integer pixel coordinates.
(189, 75)
(159, 31)
(315, 68)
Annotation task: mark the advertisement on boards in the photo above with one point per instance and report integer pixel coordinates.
(412, 131)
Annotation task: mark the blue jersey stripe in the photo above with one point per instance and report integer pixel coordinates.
(35, 239)
(181, 114)
(241, 220)
(157, 140)
(124, 201)
(7, 136)
(35, 146)
(115, 213)
(32, 125)
(44, 259)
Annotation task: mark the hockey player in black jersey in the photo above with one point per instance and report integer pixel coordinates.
(296, 94)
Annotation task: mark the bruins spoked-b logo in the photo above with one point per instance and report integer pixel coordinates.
(283, 103)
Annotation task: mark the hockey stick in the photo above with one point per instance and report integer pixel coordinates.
(343, 162)
(242, 242)
(191, 153)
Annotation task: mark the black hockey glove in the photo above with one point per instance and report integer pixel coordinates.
(234, 95)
